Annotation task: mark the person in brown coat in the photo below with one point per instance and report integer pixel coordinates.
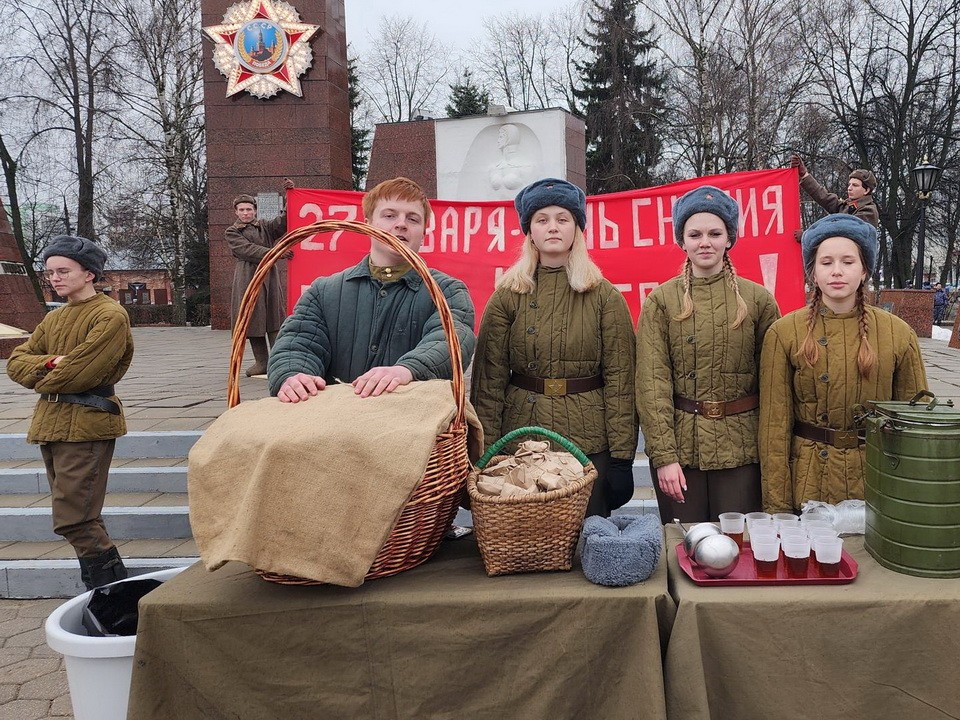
(822, 362)
(859, 200)
(698, 349)
(249, 240)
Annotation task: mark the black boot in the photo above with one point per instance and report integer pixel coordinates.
(103, 569)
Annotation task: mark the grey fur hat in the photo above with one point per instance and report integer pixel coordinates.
(840, 225)
(621, 550)
(86, 252)
(547, 192)
(709, 199)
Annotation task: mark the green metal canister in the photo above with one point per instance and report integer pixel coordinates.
(912, 487)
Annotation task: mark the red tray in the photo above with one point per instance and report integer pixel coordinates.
(746, 574)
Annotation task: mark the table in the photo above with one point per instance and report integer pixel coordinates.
(885, 646)
(440, 641)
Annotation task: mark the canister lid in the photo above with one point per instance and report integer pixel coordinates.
(924, 408)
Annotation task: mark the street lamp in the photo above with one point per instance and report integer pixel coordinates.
(925, 177)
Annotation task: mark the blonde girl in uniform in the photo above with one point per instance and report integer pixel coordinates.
(821, 362)
(698, 348)
(556, 345)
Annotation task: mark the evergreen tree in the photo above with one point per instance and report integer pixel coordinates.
(359, 136)
(467, 98)
(622, 99)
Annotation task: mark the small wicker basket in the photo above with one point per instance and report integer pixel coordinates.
(530, 533)
(431, 508)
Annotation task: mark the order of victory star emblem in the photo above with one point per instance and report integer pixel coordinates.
(262, 47)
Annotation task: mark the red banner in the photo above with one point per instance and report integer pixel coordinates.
(629, 234)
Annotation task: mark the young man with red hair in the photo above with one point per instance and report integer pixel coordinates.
(373, 325)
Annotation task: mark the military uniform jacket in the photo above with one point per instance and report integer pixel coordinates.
(248, 243)
(795, 469)
(94, 338)
(556, 332)
(700, 358)
(350, 322)
(865, 208)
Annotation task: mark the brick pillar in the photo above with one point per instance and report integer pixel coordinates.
(19, 306)
(253, 144)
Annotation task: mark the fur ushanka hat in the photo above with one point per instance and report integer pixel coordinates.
(708, 199)
(866, 177)
(547, 192)
(86, 252)
(840, 225)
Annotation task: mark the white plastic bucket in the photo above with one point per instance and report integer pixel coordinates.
(98, 668)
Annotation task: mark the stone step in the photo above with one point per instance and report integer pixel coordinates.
(29, 579)
(166, 444)
(123, 523)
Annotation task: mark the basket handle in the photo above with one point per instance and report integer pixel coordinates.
(249, 301)
(533, 430)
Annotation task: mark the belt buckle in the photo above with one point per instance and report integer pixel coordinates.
(555, 388)
(846, 439)
(713, 409)
(53, 397)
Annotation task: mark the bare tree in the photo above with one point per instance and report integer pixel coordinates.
(735, 77)
(162, 98)
(65, 75)
(887, 74)
(405, 71)
(529, 61)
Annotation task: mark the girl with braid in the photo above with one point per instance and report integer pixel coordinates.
(698, 348)
(821, 362)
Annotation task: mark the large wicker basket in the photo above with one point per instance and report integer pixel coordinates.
(530, 533)
(429, 512)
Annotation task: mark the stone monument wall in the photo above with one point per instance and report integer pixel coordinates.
(253, 144)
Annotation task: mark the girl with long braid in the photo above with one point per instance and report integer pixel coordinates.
(698, 348)
(821, 362)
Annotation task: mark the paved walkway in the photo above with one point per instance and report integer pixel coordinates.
(178, 381)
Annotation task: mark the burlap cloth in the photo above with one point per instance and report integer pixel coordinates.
(314, 488)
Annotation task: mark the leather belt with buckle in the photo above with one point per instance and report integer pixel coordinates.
(716, 409)
(840, 439)
(95, 398)
(556, 387)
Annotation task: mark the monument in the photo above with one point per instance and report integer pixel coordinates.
(481, 157)
(20, 310)
(276, 104)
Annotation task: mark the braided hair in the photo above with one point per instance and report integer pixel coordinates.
(686, 307)
(809, 351)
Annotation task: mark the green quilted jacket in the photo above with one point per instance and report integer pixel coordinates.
(795, 469)
(700, 358)
(555, 332)
(347, 323)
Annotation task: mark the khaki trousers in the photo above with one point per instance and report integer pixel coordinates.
(77, 473)
(711, 492)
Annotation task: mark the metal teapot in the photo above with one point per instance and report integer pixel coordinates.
(715, 553)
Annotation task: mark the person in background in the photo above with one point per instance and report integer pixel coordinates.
(556, 345)
(823, 362)
(859, 200)
(939, 303)
(373, 325)
(249, 240)
(73, 359)
(698, 350)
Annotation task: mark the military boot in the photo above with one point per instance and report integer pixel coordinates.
(103, 569)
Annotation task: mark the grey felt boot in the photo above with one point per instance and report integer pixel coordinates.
(260, 355)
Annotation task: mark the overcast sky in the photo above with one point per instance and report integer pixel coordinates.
(454, 22)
